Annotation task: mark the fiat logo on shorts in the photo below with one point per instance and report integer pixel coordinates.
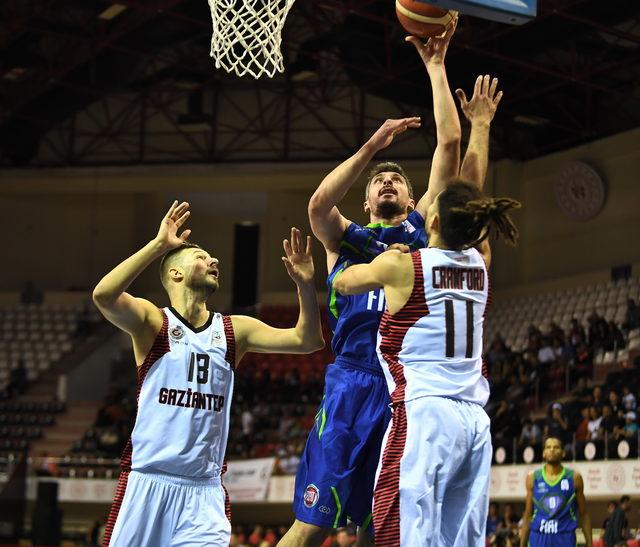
(311, 495)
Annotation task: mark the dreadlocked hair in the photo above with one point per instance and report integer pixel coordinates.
(467, 217)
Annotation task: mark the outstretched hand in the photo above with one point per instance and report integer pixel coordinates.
(176, 216)
(299, 261)
(433, 51)
(484, 103)
(384, 136)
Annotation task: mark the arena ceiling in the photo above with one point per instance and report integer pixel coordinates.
(82, 86)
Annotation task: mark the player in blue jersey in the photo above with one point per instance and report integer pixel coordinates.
(555, 504)
(337, 470)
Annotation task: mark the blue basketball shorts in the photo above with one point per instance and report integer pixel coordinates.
(563, 539)
(338, 467)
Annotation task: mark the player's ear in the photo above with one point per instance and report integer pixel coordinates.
(411, 205)
(366, 206)
(176, 274)
(434, 224)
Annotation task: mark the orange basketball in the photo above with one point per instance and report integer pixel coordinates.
(422, 19)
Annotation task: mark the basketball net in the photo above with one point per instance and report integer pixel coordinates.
(247, 35)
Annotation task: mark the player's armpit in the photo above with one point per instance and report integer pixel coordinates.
(252, 335)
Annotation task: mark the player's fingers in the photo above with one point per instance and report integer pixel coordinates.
(287, 264)
(477, 86)
(485, 84)
(298, 240)
(498, 98)
(417, 43)
(185, 235)
(308, 249)
(171, 209)
(181, 220)
(492, 89)
(462, 97)
(287, 247)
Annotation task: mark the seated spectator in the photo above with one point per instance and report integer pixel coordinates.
(632, 317)
(608, 423)
(556, 425)
(504, 424)
(616, 339)
(494, 521)
(510, 517)
(18, 379)
(545, 353)
(598, 398)
(582, 431)
(614, 402)
(631, 426)
(595, 418)
(530, 434)
(576, 332)
(628, 399)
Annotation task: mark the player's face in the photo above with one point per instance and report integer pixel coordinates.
(553, 451)
(388, 192)
(202, 270)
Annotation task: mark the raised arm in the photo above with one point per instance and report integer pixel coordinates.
(327, 223)
(528, 512)
(137, 316)
(306, 337)
(480, 111)
(446, 157)
(389, 270)
(583, 516)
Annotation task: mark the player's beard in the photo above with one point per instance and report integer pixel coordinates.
(390, 209)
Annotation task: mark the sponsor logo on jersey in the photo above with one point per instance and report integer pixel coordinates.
(217, 339)
(324, 509)
(542, 487)
(311, 495)
(176, 332)
(564, 484)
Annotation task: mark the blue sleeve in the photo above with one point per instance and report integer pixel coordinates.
(416, 220)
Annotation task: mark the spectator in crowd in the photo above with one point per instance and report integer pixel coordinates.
(628, 399)
(598, 398)
(504, 424)
(616, 338)
(611, 507)
(247, 422)
(494, 521)
(582, 431)
(595, 418)
(617, 529)
(576, 332)
(614, 402)
(632, 317)
(556, 425)
(546, 354)
(631, 426)
(530, 434)
(511, 519)
(608, 424)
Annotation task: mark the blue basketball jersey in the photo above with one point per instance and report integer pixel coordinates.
(354, 320)
(554, 503)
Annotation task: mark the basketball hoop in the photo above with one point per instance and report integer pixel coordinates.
(247, 35)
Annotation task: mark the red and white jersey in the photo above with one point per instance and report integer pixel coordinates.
(433, 345)
(185, 387)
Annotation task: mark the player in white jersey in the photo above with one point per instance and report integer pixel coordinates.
(170, 490)
(433, 477)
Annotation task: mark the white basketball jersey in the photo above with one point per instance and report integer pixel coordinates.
(433, 346)
(185, 387)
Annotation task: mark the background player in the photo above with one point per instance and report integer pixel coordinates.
(433, 482)
(553, 494)
(169, 491)
(337, 470)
